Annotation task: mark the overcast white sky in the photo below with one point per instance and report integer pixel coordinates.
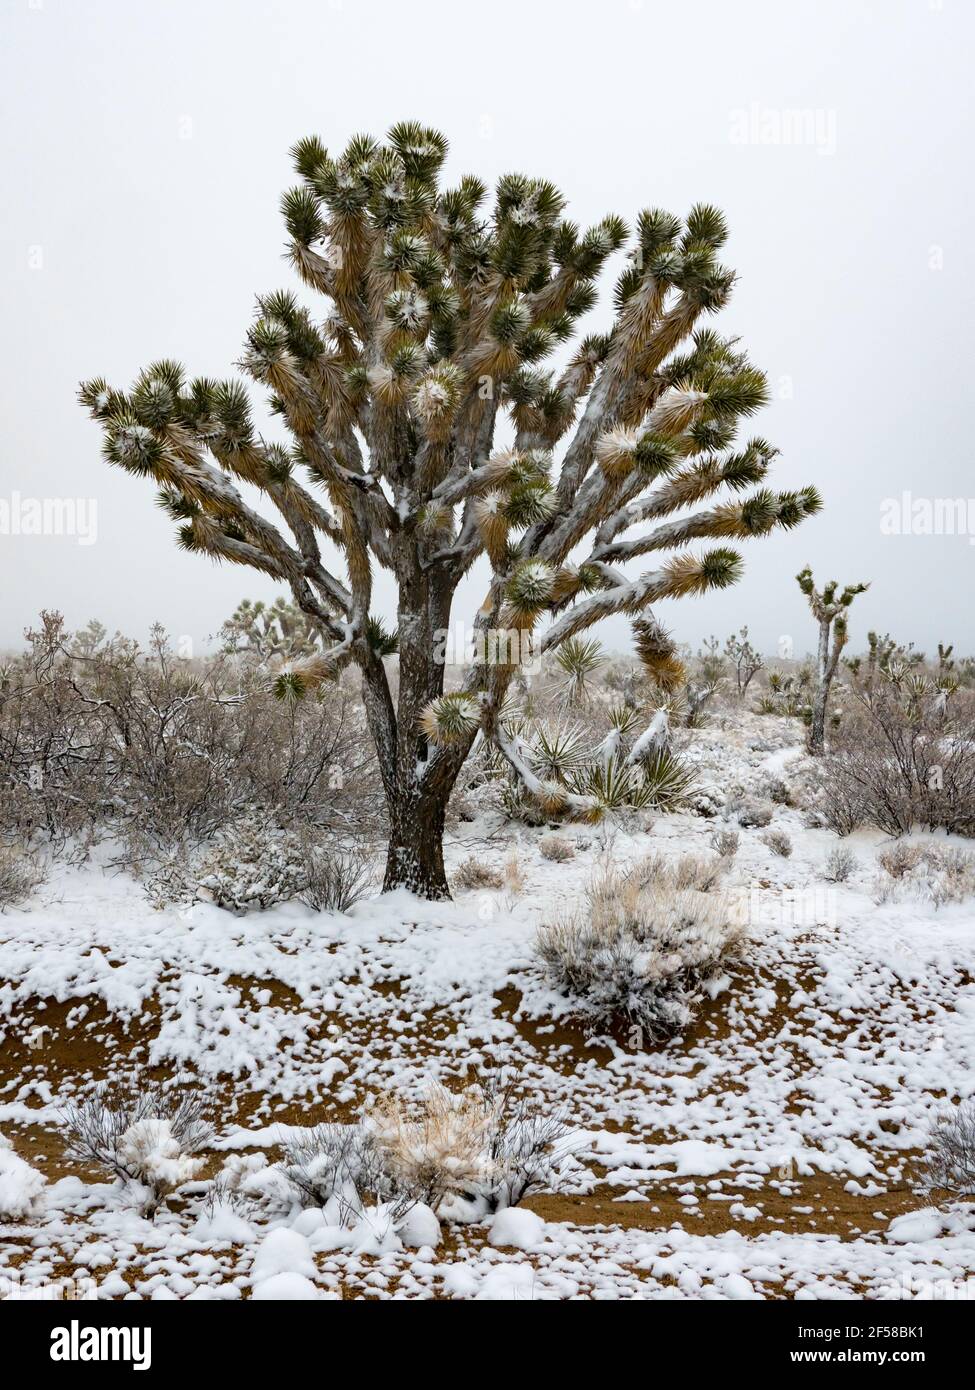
(144, 149)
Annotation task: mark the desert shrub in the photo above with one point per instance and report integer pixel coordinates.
(777, 791)
(641, 951)
(753, 815)
(937, 874)
(474, 873)
(20, 874)
(555, 848)
(948, 1168)
(464, 1155)
(725, 841)
(778, 842)
(697, 872)
(104, 738)
(900, 859)
(332, 880)
(839, 864)
(146, 1138)
(903, 757)
(251, 865)
(342, 1165)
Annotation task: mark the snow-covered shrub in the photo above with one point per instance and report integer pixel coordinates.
(725, 841)
(146, 1138)
(20, 874)
(839, 864)
(936, 874)
(474, 873)
(754, 815)
(474, 1152)
(642, 950)
(342, 1165)
(462, 1155)
(778, 842)
(252, 865)
(948, 1168)
(444, 1148)
(21, 1186)
(555, 848)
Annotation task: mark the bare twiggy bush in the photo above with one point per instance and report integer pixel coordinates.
(725, 842)
(642, 951)
(474, 873)
(902, 758)
(344, 1165)
(102, 738)
(948, 1170)
(778, 842)
(333, 880)
(21, 873)
(146, 1138)
(839, 864)
(555, 848)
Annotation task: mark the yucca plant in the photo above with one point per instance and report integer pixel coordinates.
(579, 660)
(439, 313)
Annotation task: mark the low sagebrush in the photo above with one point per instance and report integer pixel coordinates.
(643, 950)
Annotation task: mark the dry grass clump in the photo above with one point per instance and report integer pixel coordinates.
(900, 859)
(464, 1155)
(725, 842)
(556, 849)
(644, 948)
(474, 873)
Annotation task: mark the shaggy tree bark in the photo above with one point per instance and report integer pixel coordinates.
(438, 316)
(830, 613)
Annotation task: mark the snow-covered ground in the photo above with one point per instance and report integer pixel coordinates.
(764, 1154)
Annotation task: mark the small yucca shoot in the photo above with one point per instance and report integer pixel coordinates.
(579, 660)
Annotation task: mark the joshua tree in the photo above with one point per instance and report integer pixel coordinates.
(747, 662)
(438, 316)
(830, 613)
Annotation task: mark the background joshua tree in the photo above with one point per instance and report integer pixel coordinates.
(830, 613)
(745, 660)
(438, 316)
